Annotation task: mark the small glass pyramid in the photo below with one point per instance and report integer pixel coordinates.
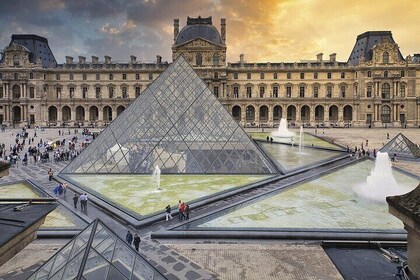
(97, 253)
(178, 125)
(402, 147)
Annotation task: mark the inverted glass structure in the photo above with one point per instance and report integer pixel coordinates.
(402, 147)
(97, 253)
(177, 124)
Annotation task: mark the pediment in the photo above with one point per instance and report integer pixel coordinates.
(198, 43)
(15, 47)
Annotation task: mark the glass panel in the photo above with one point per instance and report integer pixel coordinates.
(123, 258)
(96, 267)
(142, 270)
(114, 274)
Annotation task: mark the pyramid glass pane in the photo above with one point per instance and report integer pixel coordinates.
(104, 256)
(174, 123)
(402, 147)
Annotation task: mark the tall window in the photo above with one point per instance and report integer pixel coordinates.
(248, 76)
(275, 76)
(369, 91)
(1, 91)
(216, 75)
(369, 74)
(329, 92)
(235, 92)
(57, 77)
(16, 60)
(402, 74)
(216, 59)
(386, 114)
(402, 90)
(216, 91)
(84, 77)
(124, 76)
(71, 92)
(198, 59)
(31, 76)
(262, 92)
(343, 75)
(288, 91)
(111, 92)
(137, 76)
(111, 77)
(329, 75)
(316, 91)
(302, 76)
(275, 91)
(262, 76)
(31, 92)
(98, 92)
(84, 92)
(289, 75)
(302, 91)
(98, 77)
(138, 91)
(124, 92)
(58, 92)
(150, 76)
(386, 89)
(71, 77)
(248, 92)
(316, 75)
(385, 58)
(235, 76)
(385, 74)
(343, 91)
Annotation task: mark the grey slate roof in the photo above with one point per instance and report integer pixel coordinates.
(38, 47)
(364, 44)
(205, 31)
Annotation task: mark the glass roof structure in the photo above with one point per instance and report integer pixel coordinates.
(402, 147)
(177, 124)
(97, 253)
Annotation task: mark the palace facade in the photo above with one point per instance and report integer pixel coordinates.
(377, 86)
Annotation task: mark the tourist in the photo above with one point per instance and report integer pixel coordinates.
(268, 138)
(129, 238)
(182, 211)
(179, 210)
(168, 213)
(367, 142)
(82, 201)
(187, 212)
(387, 136)
(65, 186)
(271, 140)
(50, 175)
(136, 242)
(75, 199)
(374, 153)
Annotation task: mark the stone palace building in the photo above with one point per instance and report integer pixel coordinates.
(377, 86)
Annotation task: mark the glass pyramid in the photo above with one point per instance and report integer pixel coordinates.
(178, 125)
(97, 253)
(402, 147)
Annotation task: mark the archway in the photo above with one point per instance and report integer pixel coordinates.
(291, 113)
(277, 113)
(333, 113)
(386, 114)
(250, 114)
(120, 109)
(236, 113)
(80, 114)
(93, 114)
(66, 114)
(305, 112)
(107, 112)
(263, 114)
(319, 114)
(16, 92)
(52, 114)
(16, 114)
(348, 114)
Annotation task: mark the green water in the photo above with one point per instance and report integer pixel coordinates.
(308, 140)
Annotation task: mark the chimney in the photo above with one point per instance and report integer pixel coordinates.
(133, 59)
(176, 28)
(82, 59)
(158, 60)
(69, 60)
(95, 59)
(107, 59)
(241, 58)
(319, 57)
(223, 30)
(333, 57)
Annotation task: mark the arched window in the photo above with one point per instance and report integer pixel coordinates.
(386, 91)
(386, 114)
(16, 60)
(199, 59)
(385, 58)
(385, 74)
(216, 59)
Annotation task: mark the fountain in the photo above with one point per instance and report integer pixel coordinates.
(156, 177)
(300, 139)
(381, 182)
(283, 131)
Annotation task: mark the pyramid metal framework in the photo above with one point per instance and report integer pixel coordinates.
(97, 253)
(177, 124)
(402, 147)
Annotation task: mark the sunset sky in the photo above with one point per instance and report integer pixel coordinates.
(263, 30)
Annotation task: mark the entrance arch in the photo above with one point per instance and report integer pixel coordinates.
(333, 114)
(16, 114)
(80, 114)
(263, 114)
(291, 114)
(66, 114)
(93, 114)
(319, 114)
(305, 113)
(107, 112)
(277, 113)
(348, 114)
(52, 114)
(250, 113)
(386, 114)
(236, 113)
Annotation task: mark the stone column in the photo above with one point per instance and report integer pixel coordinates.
(73, 114)
(270, 114)
(243, 115)
(6, 94)
(114, 113)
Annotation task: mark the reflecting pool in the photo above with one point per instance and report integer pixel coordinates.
(308, 140)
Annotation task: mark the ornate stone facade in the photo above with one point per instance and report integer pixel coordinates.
(376, 87)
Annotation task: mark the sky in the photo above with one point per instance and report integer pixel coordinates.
(263, 30)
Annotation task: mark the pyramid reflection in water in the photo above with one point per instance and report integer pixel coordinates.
(178, 124)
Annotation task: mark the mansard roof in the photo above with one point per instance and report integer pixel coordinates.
(199, 28)
(365, 42)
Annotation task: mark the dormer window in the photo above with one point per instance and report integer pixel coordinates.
(385, 58)
(16, 60)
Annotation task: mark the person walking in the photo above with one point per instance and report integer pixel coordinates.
(50, 174)
(65, 186)
(75, 199)
(168, 213)
(85, 201)
(179, 211)
(129, 238)
(136, 242)
(187, 212)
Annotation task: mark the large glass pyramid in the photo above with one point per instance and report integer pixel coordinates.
(97, 253)
(402, 147)
(178, 125)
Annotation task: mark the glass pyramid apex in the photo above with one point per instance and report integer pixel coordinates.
(402, 147)
(96, 253)
(177, 124)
